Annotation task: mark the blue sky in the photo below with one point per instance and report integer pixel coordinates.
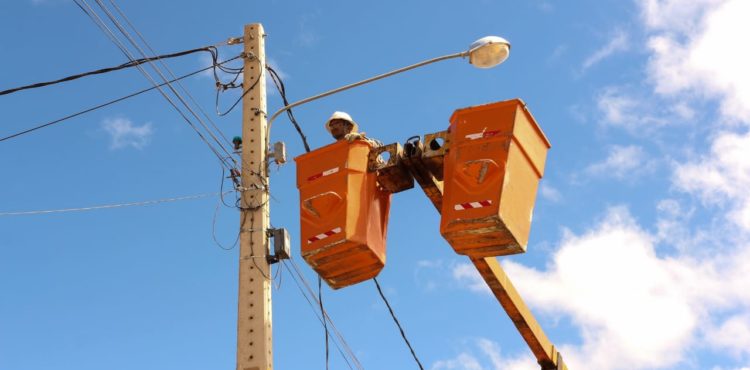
(639, 253)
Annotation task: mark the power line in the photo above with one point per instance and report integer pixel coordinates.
(111, 35)
(315, 312)
(282, 91)
(108, 206)
(130, 64)
(102, 105)
(219, 112)
(310, 296)
(320, 301)
(190, 96)
(393, 315)
(174, 91)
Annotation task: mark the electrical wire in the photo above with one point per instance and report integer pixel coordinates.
(395, 319)
(310, 295)
(181, 100)
(220, 113)
(89, 11)
(169, 71)
(108, 206)
(102, 105)
(320, 301)
(282, 91)
(315, 312)
(213, 230)
(129, 64)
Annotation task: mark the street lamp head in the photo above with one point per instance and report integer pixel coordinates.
(488, 51)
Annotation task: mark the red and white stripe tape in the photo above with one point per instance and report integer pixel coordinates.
(323, 235)
(323, 174)
(472, 205)
(482, 135)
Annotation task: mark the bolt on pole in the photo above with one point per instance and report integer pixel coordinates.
(254, 339)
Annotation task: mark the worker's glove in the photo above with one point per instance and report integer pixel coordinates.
(354, 136)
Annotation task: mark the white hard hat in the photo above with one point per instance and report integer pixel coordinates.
(342, 115)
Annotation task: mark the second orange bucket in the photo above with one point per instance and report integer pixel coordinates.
(492, 172)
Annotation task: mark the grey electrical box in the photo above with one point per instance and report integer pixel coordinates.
(279, 152)
(281, 245)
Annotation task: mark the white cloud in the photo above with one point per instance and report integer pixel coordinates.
(673, 15)
(489, 357)
(468, 276)
(123, 133)
(550, 193)
(722, 176)
(622, 162)
(635, 309)
(619, 42)
(635, 113)
(619, 293)
(307, 36)
(696, 50)
(733, 335)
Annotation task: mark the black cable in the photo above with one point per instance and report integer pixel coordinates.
(282, 91)
(109, 102)
(393, 315)
(238, 100)
(322, 312)
(130, 64)
(213, 231)
(321, 319)
(172, 75)
(99, 22)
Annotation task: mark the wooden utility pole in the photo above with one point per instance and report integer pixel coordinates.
(254, 339)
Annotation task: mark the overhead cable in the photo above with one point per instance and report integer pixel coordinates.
(315, 312)
(171, 88)
(102, 105)
(129, 64)
(89, 11)
(400, 329)
(311, 295)
(325, 327)
(108, 206)
(282, 91)
(169, 71)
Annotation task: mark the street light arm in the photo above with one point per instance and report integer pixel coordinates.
(347, 87)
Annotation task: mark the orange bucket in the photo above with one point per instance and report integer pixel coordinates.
(343, 213)
(492, 172)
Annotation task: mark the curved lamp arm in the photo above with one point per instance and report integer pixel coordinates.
(462, 54)
(486, 52)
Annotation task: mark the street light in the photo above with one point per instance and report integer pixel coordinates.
(486, 52)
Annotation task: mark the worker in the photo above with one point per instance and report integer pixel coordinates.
(342, 127)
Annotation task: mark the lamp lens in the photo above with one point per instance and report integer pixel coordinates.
(489, 55)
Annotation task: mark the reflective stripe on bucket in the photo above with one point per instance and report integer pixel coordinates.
(324, 173)
(324, 235)
(482, 135)
(472, 205)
